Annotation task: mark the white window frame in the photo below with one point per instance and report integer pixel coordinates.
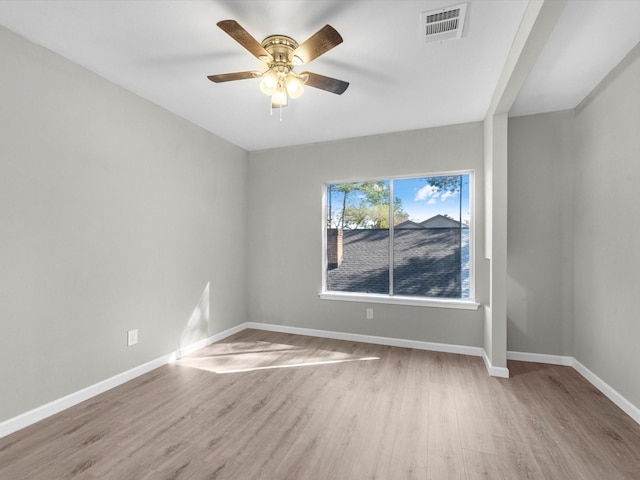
(390, 299)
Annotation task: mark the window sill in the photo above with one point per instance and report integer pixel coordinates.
(399, 300)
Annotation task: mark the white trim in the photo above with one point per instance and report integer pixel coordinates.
(472, 233)
(541, 358)
(356, 337)
(626, 406)
(40, 413)
(400, 300)
(401, 176)
(500, 372)
(28, 418)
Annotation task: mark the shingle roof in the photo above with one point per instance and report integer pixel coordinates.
(440, 221)
(427, 262)
(408, 224)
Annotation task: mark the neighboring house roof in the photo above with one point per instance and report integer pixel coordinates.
(440, 221)
(408, 224)
(437, 221)
(427, 262)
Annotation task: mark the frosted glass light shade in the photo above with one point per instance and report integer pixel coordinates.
(279, 98)
(269, 83)
(295, 87)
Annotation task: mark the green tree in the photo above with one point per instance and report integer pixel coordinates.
(449, 182)
(380, 214)
(362, 205)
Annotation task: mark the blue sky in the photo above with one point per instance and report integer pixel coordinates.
(421, 201)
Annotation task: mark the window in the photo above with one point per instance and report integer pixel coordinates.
(402, 238)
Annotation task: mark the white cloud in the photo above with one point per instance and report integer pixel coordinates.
(431, 201)
(426, 192)
(447, 194)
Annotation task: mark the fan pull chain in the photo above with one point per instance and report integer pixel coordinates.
(271, 111)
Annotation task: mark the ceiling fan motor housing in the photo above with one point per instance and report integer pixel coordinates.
(280, 47)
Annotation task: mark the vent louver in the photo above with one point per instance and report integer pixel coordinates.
(443, 24)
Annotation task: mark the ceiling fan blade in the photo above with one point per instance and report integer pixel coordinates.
(325, 83)
(317, 44)
(228, 77)
(244, 38)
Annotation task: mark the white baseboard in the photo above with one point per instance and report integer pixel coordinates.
(624, 404)
(28, 418)
(40, 413)
(356, 337)
(501, 372)
(541, 358)
(393, 342)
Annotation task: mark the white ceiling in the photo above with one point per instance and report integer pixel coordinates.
(163, 51)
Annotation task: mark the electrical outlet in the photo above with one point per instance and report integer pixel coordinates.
(132, 337)
(369, 313)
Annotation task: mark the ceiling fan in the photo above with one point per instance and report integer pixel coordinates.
(281, 54)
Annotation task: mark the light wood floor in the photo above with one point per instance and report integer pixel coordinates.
(262, 405)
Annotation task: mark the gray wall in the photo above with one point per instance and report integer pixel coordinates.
(574, 235)
(607, 231)
(539, 234)
(114, 215)
(286, 228)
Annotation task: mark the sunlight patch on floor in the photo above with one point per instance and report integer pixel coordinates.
(247, 357)
(306, 364)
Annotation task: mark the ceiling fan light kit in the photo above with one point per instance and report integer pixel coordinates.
(282, 54)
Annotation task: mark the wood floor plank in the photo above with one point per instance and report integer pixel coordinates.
(409, 456)
(517, 460)
(482, 466)
(444, 449)
(477, 423)
(328, 431)
(569, 421)
(264, 405)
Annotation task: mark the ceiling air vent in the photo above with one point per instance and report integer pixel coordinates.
(443, 24)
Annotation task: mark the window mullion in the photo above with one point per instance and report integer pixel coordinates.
(391, 232)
